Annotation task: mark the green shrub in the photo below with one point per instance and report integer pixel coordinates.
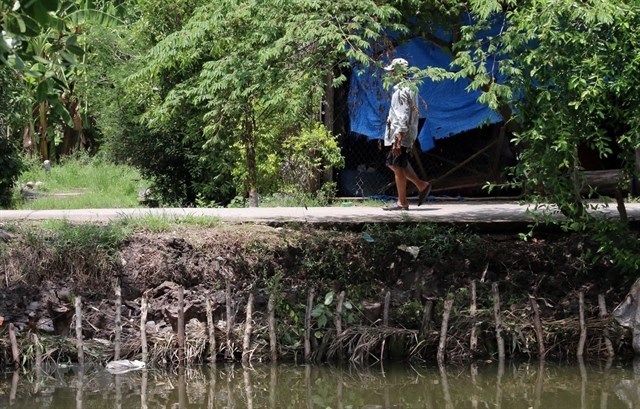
(10, 168)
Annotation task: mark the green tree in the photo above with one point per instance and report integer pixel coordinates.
(44, 42)
(10, 160)
(571, 70)
(170, 155)
(257, 70)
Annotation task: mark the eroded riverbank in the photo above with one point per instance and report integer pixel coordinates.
(396, 282)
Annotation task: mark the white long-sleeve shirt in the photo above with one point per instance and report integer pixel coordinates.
(403, 116)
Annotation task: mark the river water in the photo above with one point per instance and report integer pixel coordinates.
(484, 385)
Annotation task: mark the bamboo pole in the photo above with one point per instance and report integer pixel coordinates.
(496, 314)
(273, 340)
(79, 330)
(537, 325)
(473, 311)
(602, 306)
(210, 330)
(181, 335)
(15, 351)
(385, 313)
(448, 304)
(583, 326)
(248, 327)
(118, 321)
(144, 310)
(427, 313)
(307, 326)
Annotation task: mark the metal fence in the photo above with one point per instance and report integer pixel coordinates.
(457, 165)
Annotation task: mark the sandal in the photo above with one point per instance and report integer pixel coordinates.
(395, 206)
(424, 194)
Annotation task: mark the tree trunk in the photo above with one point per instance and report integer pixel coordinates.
(42, 121)
(250, 152)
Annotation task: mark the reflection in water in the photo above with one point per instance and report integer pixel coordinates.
(502, 385)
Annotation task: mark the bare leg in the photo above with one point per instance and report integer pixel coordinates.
(401, 185)
(411, 175)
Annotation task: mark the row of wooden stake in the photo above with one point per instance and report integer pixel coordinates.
(246, 345)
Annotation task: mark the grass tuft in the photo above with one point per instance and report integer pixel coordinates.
(166, 223)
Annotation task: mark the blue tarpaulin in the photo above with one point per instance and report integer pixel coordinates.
(447, 106)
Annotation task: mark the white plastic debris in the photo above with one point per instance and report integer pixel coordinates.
(124, 365)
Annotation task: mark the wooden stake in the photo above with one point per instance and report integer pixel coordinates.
(602, 305)
(228, 304)
(339, 308)
(385, 313)
(338, 319)
(273, 340)
(181, 335)
(448, 304)
(427, 313)
(473, 311)
(307, 326)
(38, 348)
(118, 322)
(79, 330)
(211, 330)
(15, 352)
(583, 326)
(537, 325)
(496, 314)
(248, 327)
(144, 310)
